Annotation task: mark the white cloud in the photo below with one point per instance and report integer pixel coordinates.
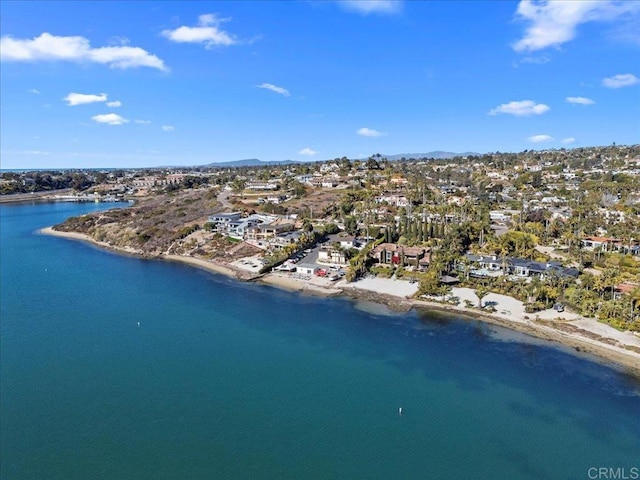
(110, 119)
(552, 23)
(620, 80)
(568, 140)
(539, 60)
(627, 31)
(370, 132)
(27, 152)
(540, 138)
(52, 48)
(207, 32)
(82, 98)
(579, 100)
(142, 122)
(522, 108)
(35, 91)
(115, 103)
(168, 128)
(307, 151)
(274, 88)
(372, 6)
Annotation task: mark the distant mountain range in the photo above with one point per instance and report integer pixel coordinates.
(255, 162)
(249, 162)
(438, 155)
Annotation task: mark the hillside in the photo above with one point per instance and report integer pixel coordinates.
(163, 224)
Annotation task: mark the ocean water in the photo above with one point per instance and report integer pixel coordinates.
(222, 379)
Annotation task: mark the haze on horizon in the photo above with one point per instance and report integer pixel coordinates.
(136, 84)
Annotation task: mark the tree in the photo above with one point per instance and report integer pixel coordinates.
(372, 164)
(346, 207)
(351, 225)
(299, 189)
(429, 284)
(481, 292)
(606, 282)
(331, 228)
(238, 185)
(307, 226)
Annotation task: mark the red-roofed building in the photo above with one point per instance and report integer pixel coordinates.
(624, 289)
(608, 244)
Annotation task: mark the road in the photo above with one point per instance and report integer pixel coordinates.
(223, 198)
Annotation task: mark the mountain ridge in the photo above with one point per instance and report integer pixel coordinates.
(256, 162)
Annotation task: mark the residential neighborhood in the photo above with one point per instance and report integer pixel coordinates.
(545, 227)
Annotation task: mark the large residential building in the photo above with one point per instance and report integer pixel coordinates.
(394, 254)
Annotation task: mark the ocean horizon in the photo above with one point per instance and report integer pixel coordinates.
(119, 367)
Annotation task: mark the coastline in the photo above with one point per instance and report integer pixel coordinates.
(192, 261)
(616, 357)
(44, 196)
(623, 359)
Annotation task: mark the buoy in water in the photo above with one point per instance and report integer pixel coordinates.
(400, 411)
(138, 324)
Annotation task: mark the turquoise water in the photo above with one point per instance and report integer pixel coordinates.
(230, 380)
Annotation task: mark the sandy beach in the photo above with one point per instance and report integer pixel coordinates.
(583, 335)
(204, 264)
(293, 284)
(87, 238)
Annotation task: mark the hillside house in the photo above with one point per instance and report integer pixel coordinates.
(262, 186)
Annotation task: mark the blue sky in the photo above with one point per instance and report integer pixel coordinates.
(127, 84)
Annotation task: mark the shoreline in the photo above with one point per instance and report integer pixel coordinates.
(619, 358)
(43, 196)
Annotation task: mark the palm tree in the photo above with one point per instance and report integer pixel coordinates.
(533, 289)
(635, 304)
(466, 266)
(505, 262)
(607, 281)
(481, 292)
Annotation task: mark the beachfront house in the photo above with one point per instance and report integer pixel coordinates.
(332, 255)
(254, 227)
(266, 230)
(287, 238)
(493, 266)
(394, 254)
(307, 268)
(487, 265)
